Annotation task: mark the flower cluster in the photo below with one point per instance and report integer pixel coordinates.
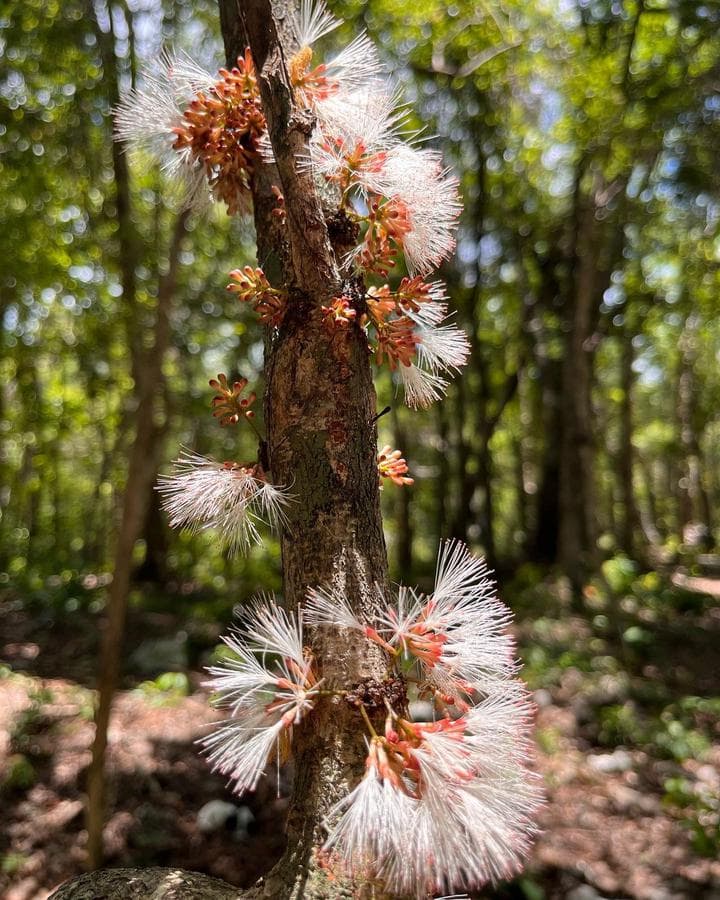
(455, 641)
(268, 683)
(404, 200)
(251, 286)
(406, 330)
(205, 130)
(222, 130)
(444, 804)
(210, 132)
(339, 314)
(229, 406)
(229, 497)
(391, 465)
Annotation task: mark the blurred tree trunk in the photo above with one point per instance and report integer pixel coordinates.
(463, 514)
(694, 502)
(444, 474)
(521, 507)
(154, 532)
(543, 543)
(142, 469)
(322, 439)
(404, 546)
(630, 532)
(577, 530)
(147, 371)
(649, 509)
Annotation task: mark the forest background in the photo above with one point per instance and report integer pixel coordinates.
(579, 452)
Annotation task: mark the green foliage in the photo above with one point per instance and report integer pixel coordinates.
(699, 803)
(673, 734)
(620, 573)
(19, 774)
(12, 863)
(165, 690)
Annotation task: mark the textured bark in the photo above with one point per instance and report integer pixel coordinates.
(140, 884)
(322, 441)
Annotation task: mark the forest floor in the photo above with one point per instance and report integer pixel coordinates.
(628, 733)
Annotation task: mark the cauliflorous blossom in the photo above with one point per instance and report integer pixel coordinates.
(250, 285)
(204, 130)
(410, 335)
(417, 177)
(234, 499)
(392, 465)
(269, 685)
(458, 635)
(355, 68)
(441, 805)
(442, 348)
(422, 388)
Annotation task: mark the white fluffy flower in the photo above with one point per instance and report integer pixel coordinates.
(371, 830)
(476, 650)
(312, 21)
(357, 65)
(430, 193)
(349, 118)
(268, 684)
(328, 606)
(442, 806)
(422, 388)
(146, 116)
(458, 635)
(202, 493)
(442, 348)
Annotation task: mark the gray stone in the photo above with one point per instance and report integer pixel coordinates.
(608, 763)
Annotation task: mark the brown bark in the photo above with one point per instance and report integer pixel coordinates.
(321, 439)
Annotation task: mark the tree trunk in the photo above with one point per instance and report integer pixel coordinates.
(694, 503)
(154, 568)
(140, 884)
(630, 530)
(142, 470)
(322, 441)
(443, 480)
(463, 513)
(577, 513)
(544, 541)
